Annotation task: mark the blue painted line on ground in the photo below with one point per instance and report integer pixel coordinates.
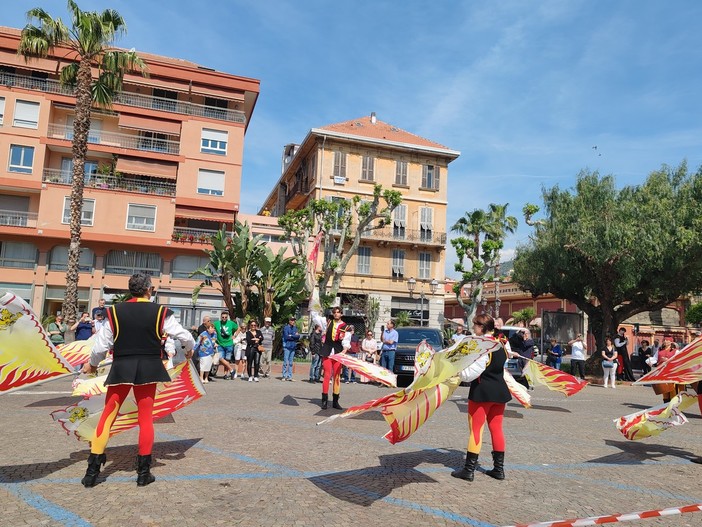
(50, 509)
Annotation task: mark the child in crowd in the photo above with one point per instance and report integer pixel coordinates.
(206, 347)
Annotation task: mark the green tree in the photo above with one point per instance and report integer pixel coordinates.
(89, 39)
(615, 253)
(482, 235)
(342, 224)
(524, 316)
(402, 319)
(694, 314)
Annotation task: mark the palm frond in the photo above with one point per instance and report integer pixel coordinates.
(69, 74)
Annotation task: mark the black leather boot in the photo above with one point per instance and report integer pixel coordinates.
(468, 470)
(335, 402)
(144, 475)
(94, 462)
(325, 401)
(498, 471)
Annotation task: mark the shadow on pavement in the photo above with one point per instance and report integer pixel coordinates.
(636, 453)
(55, 402)
(368, 485)
(550, 408)
(121, 458)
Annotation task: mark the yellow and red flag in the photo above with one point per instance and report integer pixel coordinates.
(656, 420)
(27, 356)
(368, 369)
(683, 368)
(555, 380)
(518, 391)
(82, 418)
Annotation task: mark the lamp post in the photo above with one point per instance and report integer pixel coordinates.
(411, 285)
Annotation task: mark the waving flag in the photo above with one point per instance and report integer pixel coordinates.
(27, 356)
(82, 418)
(555, 380)
(654, 421)
(373, 371)
(684, 368)
(422, 358)
(518, 391)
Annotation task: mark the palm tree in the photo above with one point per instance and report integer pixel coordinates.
(89, 43)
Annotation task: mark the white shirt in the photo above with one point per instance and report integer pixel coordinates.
(577, 349)
(104, 339)
(476, 369)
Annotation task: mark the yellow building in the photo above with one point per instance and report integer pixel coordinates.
(163, 172)
(347, 159)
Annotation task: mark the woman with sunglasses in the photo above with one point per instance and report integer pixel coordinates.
(486, 403)
(254, 341)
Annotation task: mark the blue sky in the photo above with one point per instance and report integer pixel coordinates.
(523, 89)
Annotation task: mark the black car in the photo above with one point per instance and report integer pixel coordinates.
(408, 339)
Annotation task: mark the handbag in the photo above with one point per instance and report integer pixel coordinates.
(215, 358)
(261, 349)
(608, 364)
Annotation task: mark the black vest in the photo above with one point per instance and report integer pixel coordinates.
(491, 387)
(137, 328)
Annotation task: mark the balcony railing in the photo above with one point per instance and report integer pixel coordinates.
(126, 184)
(129, 99)
(15, 218)
(190, 235)
(407, 235)
(134, 142)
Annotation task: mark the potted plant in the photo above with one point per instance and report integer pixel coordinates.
(177, 236)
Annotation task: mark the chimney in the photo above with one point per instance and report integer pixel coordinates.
(373, 118)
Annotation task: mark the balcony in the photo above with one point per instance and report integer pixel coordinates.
(415, 237)
(15, 218)
(136, 100)
(190, 235)
(133, 142)
(124, 184)
(297, 194)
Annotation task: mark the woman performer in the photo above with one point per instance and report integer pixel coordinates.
(336, 329)
(486, 402)
(135, 330)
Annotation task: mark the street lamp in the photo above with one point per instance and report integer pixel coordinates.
(433, 286)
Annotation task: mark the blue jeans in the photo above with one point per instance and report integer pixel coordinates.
(387, 359)
(288, 356)
(314, 367)
(348, 374)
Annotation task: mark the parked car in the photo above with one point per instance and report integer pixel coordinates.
(409, 338)
(512, 365)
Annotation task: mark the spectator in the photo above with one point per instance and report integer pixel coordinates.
(225, 341)
(239, 353)
(100, 321)
(57, 329)
(459, 334)
(203, 327)
(206, 347)
(268, 332)
(369, 351)
(333, 337)
(315, 350)
(667, 390)
(525, 349)
(347, 344)
(254, 347)
(646, 356)
(555, 355)
(100, 308)
(609, 363)
(389, 346)
(577, 356)
(83, 327)
(621, 342)
(291, 337)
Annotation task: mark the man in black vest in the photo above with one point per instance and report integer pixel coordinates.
(134, 331)
(621, 342)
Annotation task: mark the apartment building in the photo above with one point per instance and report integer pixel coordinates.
(163, 172)
(401, 264)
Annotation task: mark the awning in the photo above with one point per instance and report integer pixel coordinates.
(147, 123)
(147, 167)
(223, 216)
(218, 93)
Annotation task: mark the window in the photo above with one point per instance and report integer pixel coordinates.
(87, 214)
(214, 142)
(89, 169)
(164, 100)
(141, 217)
(210, 182)
(399, 221)
(2, 109)
(367, 168)
(154, 141)
(26, 114)
(339, 167)
(426, 224)
(216, 108)
(340, 213)
(58, 259)
(183, 265)
(131, 262)
(14, 210)
(398, 263)
(363, 260)
(401, 173)
(21, 159)
(424, 265)
(430, 177)
(18, 255)
(93, 132)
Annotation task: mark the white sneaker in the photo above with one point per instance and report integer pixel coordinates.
(255, 379)
(234, 375)
(250, 379)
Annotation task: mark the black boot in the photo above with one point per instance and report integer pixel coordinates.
(335, 402)
(94, 462)
(498, 471)
(468, 470)
(325, 401)
(144, 475)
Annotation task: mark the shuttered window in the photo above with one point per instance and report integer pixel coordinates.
(430, 177)
(398, 263)
(426, 224)
(399, 221)
(368, 168)
(131, 262)
(339, 167)
(26, 114)
(210, 182)
(363, 260)
(401, 173)
(87, 213)
(424, 265)
(214, 141)
(141, 217)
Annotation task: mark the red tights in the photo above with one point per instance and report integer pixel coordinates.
(116, 395)
(332, 370)
(478, 414)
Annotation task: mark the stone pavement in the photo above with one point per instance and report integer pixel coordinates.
(252, 454)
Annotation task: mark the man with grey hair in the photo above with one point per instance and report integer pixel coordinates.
(268, 332)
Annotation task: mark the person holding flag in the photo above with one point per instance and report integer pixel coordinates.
(336, 330)
(487, 398)
(135, 332)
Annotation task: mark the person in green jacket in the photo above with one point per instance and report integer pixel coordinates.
(225, 340)
(57, 329)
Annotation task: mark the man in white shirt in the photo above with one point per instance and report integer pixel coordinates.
(578, 348)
